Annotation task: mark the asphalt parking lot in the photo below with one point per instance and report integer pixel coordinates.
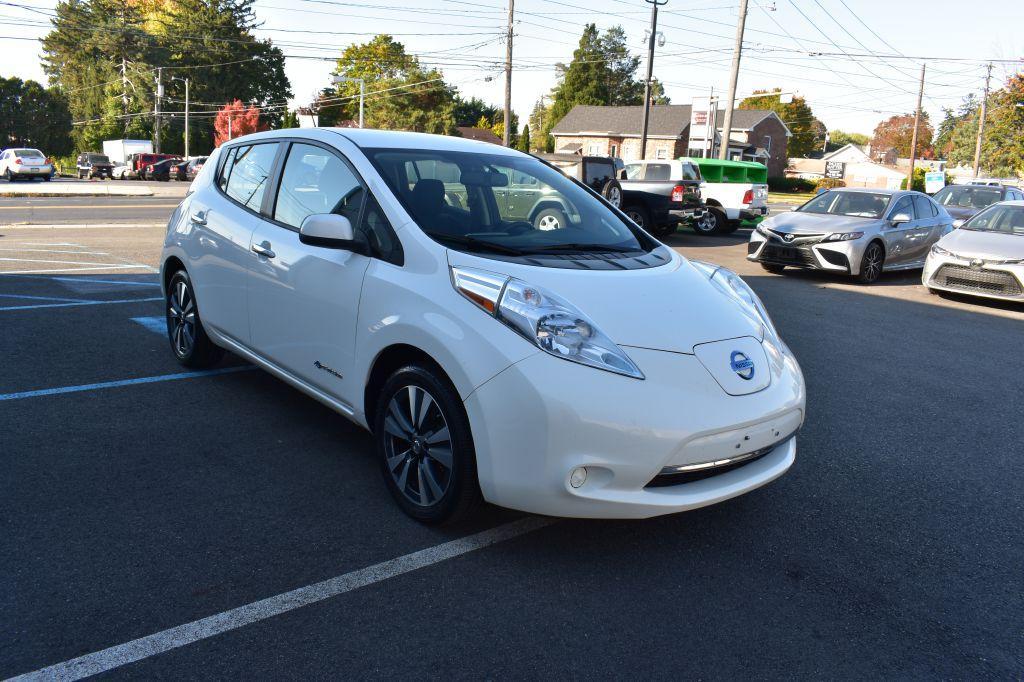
(139, 498)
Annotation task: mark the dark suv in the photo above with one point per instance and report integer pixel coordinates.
(596, 172)
(93, 165)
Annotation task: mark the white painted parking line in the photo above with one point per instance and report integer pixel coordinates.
(90, 281)
(80, 303)
(157, 324)
(44, 298)
(123, 382)
(58, 262)
(189, 633)
(84, 253)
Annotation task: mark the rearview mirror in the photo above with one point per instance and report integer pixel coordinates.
(328, 230)
(484, 178)
(899, 219)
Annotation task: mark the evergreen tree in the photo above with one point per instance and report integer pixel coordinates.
(523, 143)
(33, 116)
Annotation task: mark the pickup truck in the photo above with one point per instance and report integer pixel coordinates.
(659, 195)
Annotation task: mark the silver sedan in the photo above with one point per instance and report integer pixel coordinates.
(858, 232)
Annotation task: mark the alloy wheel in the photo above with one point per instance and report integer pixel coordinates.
(548, 222)
(418, 446)
(181, 311)
(872, 265)
(636, 217)
(707, 222)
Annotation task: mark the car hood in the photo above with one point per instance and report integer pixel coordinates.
(673, 307)
(798, 222)
(988, 245)
(961, 212)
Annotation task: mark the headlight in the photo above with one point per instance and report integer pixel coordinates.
(762, 229)
(843, 236)
(551, 323)
(730, 284)
(939, 251)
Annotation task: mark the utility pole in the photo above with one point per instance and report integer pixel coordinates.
(730, 101)
(981, 123)
(156, 109)
(507, 136)
(650, 74)
(185, 81)
(913, 138)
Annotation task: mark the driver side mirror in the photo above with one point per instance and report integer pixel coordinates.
(899, 219)
(329, 230)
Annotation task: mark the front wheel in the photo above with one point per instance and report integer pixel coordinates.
(612, 191)
(639, 215)
(425, 446)
(871, 264)
(189, 342)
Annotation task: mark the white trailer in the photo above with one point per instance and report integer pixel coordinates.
(119, 150)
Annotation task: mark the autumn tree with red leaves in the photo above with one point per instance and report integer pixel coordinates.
(234, 120)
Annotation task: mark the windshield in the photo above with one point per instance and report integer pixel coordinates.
(500, 203)
(1005, 219)
(967, 196)
(854, 204)
(99, 158)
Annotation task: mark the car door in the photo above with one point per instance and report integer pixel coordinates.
(303, 299)
(898, 244)
(926, 226)
(223, 219)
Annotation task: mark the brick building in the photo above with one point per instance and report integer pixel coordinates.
(757, 135)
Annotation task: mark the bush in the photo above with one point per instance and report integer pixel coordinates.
(828, 183)
(790, 185)
(918, 183)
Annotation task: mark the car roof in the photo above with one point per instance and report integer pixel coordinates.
(395, 139)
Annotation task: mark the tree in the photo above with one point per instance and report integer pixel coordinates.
(401, 94)
(897, 132)
(839, 138)
(797, 116)
(467, 112)
(234, 120)
(1002, 147)
(33, 116)
(523, 144)
(602, 72)
(289, 119)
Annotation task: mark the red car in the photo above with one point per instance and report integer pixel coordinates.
(139, 164)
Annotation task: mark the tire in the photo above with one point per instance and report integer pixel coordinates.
(8, 175)
(731, 226)
(550, 219)
(47, 178)
(189, 342)
(871, 263)
(80, 176)
(773, 268)
(714, 221)
(639, 215)
(612, 191)
(418, 409)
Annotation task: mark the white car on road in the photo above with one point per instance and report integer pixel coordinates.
(984, 257)
(586, 371)
(24, 163)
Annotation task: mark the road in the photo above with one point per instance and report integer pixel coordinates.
(134, 505)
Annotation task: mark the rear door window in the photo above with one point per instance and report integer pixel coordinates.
(248, 172)
(923, 207)
(658, 171)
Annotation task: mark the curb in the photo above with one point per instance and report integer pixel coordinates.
(78, 226)
(91, 193)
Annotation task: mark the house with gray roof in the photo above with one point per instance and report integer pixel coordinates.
(756, 135)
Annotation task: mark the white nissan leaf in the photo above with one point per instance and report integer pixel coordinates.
(411, 283)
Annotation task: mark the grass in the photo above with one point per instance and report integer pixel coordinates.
(787, 197)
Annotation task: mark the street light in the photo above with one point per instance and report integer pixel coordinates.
(185, 81)
(362, 92)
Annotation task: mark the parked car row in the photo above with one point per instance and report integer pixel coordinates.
(139, 166)
(865, 232)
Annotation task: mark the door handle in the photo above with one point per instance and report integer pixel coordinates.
(263, 250)
(199, 217)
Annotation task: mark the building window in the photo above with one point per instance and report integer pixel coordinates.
(662, 153)
(615, 150)
(594, 149)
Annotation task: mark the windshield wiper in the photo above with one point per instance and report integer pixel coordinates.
(476, 243)
(585, 248)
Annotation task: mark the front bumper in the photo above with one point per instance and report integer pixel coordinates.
(989, 279)
(812, 254)
(540, 419)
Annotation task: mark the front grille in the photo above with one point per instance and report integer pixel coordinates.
(977, 280)
(788, 255)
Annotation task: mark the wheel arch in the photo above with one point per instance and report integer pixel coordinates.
(713, 202)
(545, 204)
(170, 266)
(384, 365)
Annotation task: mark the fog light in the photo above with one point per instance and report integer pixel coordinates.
(578, 477)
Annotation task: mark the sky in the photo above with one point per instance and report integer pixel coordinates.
(858, 82)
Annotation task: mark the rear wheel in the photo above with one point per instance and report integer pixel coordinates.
(639, 215)
(871, 264)
(425, 446)
(191, 346)
(612, 191)
(8, 175)
(713, 221)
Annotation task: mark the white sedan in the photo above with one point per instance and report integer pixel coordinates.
(24, 163)
(586, 371)
(984, 257)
